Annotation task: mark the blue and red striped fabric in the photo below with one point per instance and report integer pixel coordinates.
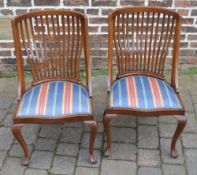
(143, 93)
(55, 98)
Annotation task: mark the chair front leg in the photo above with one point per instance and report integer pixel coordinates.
(94, 127)
(16, 130)
(106, 122)
(182, 120)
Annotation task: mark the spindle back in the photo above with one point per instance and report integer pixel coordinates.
(53, 41)
(141, 37)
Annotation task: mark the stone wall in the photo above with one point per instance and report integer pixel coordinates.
(97, 11)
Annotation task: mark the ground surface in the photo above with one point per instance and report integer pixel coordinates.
(140, 145)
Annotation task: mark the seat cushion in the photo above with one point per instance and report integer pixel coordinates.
(143, 93)
(55, 98)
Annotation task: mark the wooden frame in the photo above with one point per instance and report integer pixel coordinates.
(23, 33)
(121, 17)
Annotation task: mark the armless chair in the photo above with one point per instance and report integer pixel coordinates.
(53, 41)
(141, 38)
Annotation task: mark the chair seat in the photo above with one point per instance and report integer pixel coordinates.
(55, 98)
(143, 93)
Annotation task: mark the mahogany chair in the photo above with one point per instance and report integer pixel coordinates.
(141, 38)
(53, 41)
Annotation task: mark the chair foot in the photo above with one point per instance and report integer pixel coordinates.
(182, 120)
(106, 123)
(16, 130)
(25, 162)
(107, 152)
(94, 127)
(93, 159)
(174, 154)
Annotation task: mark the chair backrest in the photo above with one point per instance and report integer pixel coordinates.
(141, 37)
(53, 41)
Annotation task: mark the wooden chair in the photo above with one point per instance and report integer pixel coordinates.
(140, 37)
(53, 41)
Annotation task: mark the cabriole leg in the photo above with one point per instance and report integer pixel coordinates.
(16, 130)
(182, 120)
(106, 123)
(94, 127)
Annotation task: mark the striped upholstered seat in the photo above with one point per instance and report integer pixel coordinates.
(143, 93)
(55, 98)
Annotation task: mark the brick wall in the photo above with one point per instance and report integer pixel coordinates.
(97, 11)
